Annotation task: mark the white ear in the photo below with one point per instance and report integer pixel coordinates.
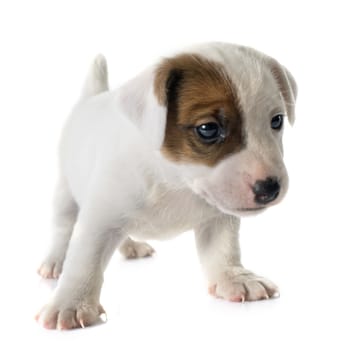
(287, 85)
(139, 103)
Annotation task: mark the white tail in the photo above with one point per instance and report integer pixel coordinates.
(97, 79)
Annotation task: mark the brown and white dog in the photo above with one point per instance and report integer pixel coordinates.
(194, 142)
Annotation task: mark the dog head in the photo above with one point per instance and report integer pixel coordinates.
(216, 113)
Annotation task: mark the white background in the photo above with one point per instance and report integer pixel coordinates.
(162, 303)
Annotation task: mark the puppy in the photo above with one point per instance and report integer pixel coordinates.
(192, 143)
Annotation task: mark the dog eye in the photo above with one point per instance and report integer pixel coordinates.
(277, 122)
(209, 132)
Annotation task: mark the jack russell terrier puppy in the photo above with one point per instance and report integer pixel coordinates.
(192, 143)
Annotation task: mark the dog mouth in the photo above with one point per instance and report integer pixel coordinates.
(240, 211)
(250, 209)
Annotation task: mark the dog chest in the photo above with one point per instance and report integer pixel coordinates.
(167, 213)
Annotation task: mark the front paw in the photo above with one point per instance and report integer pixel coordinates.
(61, 316)
(51, 268)
(242, 285)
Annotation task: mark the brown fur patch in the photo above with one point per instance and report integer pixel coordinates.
(197, 91)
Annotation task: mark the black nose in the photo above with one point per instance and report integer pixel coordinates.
(267, 190)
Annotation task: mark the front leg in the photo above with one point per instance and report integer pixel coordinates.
(75, 302)
(219, 253)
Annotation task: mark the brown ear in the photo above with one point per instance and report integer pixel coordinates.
(287, 85)
(166, 81)
(191, 79)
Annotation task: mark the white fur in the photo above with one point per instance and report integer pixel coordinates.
(116, 183)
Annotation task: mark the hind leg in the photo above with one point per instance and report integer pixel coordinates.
(133, 250)
(65, 215)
